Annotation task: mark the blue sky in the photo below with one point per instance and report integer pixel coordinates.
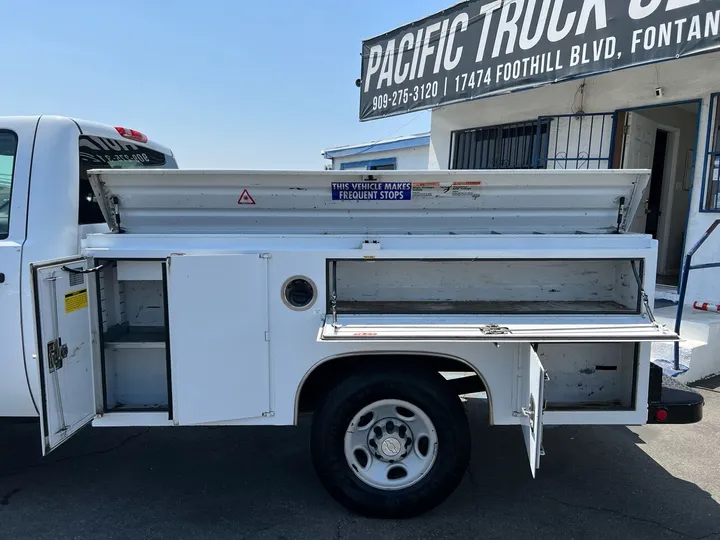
(231, 84)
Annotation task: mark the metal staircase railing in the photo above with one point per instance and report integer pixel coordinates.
(687, 267)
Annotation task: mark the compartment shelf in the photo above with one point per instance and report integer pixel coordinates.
(135, 337)
(125, 407)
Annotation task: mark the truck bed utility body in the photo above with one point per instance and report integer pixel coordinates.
(233, 298)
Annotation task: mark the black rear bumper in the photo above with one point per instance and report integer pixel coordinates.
(672, 402)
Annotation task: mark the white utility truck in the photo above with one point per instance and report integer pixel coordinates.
(247, 298)
(46, 207)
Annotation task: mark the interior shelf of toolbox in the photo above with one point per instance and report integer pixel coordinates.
(129, 407)
(124, 336)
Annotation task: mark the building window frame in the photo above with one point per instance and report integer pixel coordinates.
(371, 164)
(710, 155)
(579, 154)
(536, 155)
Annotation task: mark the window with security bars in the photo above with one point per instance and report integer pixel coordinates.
(510, 146)
(580, 141)
(711, 189)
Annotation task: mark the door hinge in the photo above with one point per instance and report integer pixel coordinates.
(643, 295)
(268, 414)
(333, 307)
(265, 256)
(267, 336)
(115, 201)
(621, 213)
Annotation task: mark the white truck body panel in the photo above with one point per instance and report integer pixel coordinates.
(231, 350)
(294, 345)
(240, 382)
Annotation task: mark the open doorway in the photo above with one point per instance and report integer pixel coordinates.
(662, 139)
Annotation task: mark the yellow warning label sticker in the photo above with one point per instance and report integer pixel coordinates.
(76, 300)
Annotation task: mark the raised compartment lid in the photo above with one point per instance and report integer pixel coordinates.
(344, 202)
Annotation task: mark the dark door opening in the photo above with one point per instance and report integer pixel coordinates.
(662, 139)
(655, 189)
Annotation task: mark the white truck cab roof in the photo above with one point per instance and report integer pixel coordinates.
(86, 127)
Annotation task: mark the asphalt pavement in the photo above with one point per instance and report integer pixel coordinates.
(654, 482)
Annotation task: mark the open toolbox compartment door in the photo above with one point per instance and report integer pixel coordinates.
(64, 349)
(495, 329)
(531, 405)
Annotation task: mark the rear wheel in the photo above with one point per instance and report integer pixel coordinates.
(392, 444)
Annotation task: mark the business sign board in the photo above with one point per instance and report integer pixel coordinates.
(479, 48)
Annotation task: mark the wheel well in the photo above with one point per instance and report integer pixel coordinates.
(325, 375)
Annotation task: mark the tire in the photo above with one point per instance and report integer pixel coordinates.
(428, 397)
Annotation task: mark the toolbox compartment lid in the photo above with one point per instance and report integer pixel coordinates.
(369, 202)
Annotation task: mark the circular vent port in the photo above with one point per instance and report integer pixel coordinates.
(299, 293)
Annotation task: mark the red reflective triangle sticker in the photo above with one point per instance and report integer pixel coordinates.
(245, 198)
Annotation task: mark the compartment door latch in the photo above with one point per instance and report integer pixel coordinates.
(57, 351)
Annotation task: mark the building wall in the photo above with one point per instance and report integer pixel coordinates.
(407, 158)
(681, 80)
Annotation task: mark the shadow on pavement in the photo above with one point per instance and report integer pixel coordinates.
(594, 482)
(711, 383)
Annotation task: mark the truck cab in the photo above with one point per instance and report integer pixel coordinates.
(46, 207)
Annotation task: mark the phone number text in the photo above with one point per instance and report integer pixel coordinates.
(405, 96)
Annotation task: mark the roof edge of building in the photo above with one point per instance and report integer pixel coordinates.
(407, 141)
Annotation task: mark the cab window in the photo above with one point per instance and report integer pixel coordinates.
(106, 153)
(8, 148)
